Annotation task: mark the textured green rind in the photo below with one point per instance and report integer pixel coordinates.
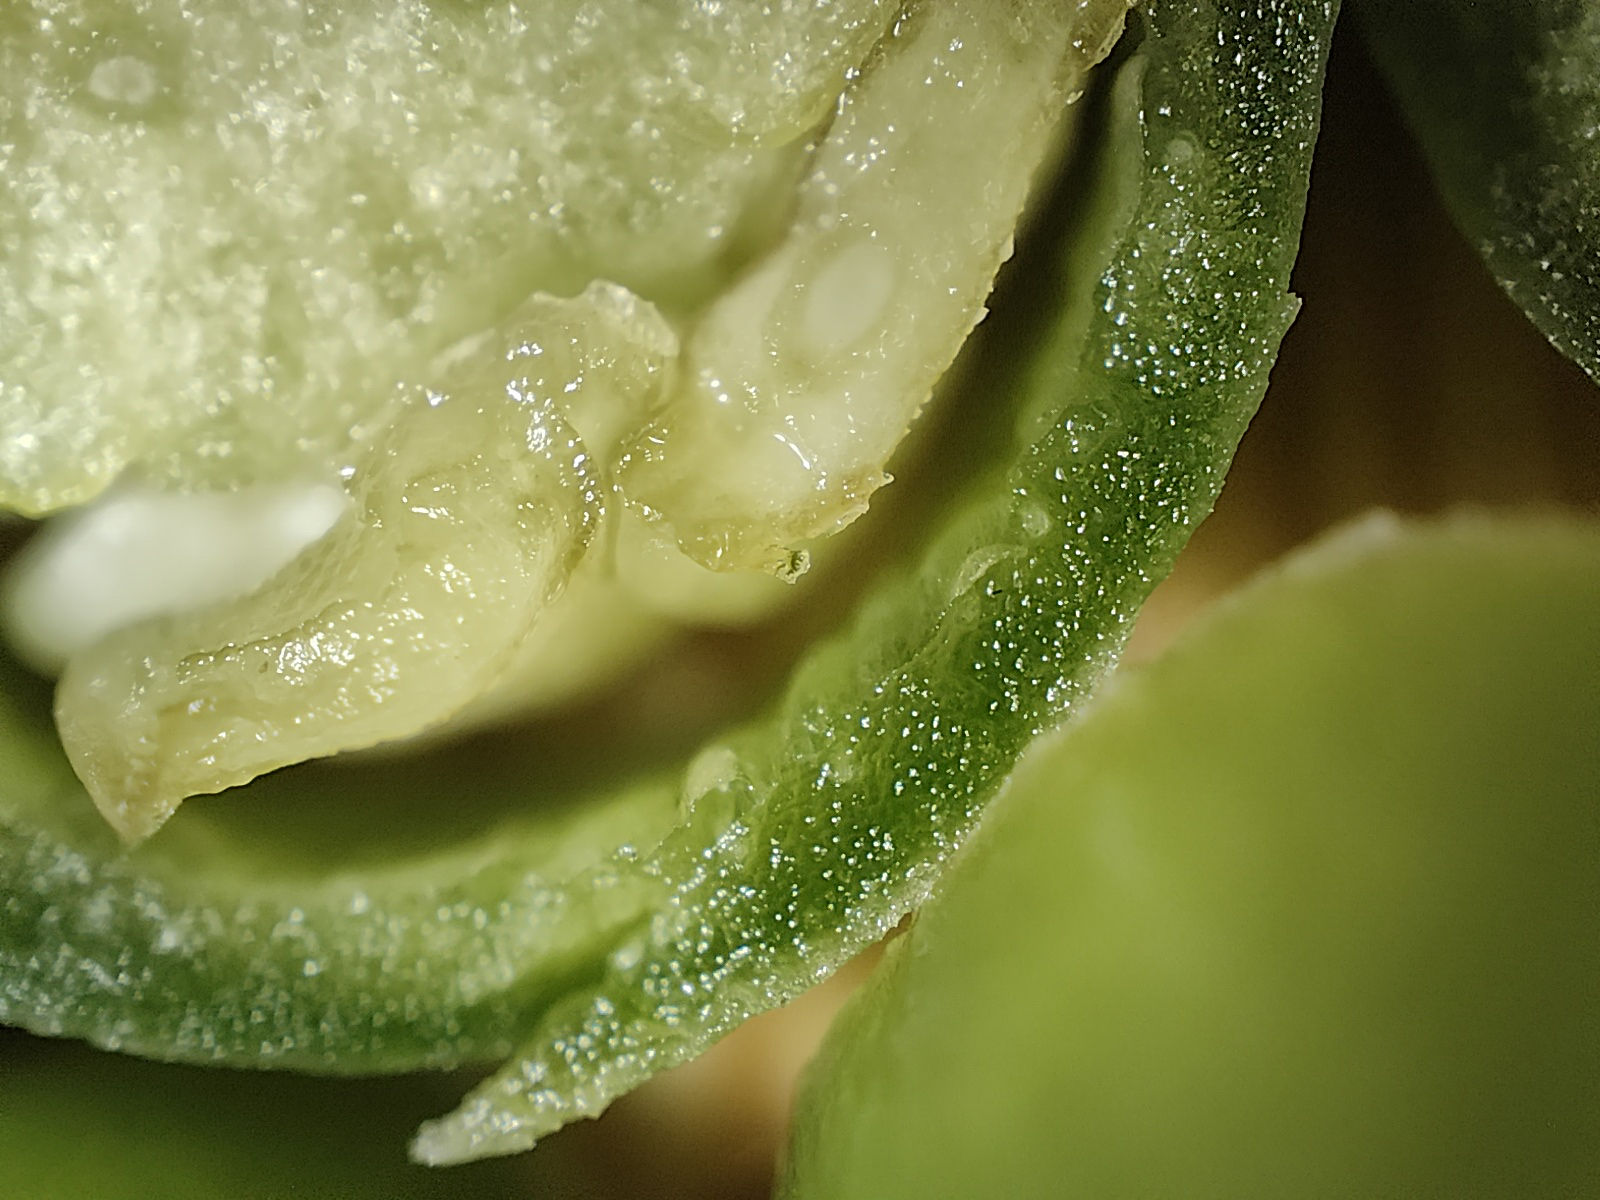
(807, 836)
(1309, 907)
(207, 948)
(890, 744)
(1504, 96)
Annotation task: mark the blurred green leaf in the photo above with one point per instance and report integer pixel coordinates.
(1309, 907)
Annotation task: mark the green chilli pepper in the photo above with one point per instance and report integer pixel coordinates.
(596, 933)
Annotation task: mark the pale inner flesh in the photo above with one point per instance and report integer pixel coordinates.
(557, 368)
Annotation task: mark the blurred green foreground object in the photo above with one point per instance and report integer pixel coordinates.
(1311, 907)
(158, 1132)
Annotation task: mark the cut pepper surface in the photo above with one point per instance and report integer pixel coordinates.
(593, 943)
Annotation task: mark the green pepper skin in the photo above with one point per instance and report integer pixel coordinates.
(1308, 907)
(617, 944)
(1504, 96)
